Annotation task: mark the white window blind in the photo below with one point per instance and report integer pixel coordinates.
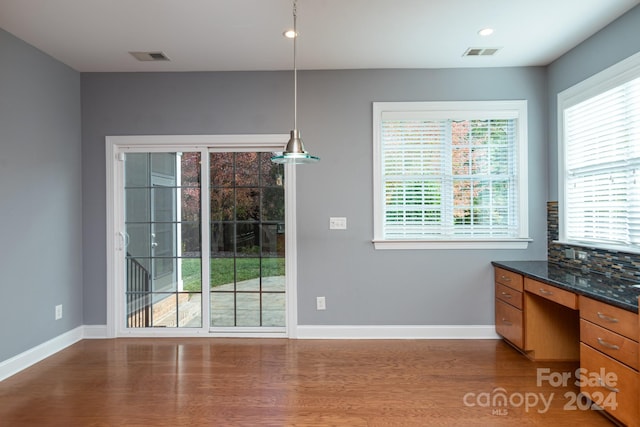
(602, 168)
(449, 175)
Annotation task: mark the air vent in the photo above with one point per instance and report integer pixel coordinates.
(481, 51)
(150, 56)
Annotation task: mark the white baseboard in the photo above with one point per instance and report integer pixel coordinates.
(336, 332)
(34, 355)
(94, 332)
(397, 332)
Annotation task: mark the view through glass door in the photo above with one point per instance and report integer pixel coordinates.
(242, 228)
(163, 251)
(247, 240)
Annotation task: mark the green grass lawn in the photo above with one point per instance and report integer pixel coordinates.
(223, 269)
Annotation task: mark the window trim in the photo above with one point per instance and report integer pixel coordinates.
(480, 109)
(616, 75)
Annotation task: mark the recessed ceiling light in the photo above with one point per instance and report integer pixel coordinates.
(289, 34)
(486, 32)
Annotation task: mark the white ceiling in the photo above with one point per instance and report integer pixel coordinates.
(212, 35)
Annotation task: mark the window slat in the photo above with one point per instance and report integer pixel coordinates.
(602, 164)
(449, 178)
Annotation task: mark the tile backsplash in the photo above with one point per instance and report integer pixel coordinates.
(620, 265)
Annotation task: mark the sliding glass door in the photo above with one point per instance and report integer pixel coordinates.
(247, 240)
(209, 219)
(163, 257)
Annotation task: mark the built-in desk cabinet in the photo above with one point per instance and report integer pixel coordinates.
(551, 322)
(509, 304)
(528, 314)
(609, 358)
(548, 323)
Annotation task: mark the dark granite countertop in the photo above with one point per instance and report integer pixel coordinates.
(617, 292)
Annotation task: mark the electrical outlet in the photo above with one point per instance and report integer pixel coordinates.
(321, 303)
(582, 255)
(570, 253)
(337, 223)
(59, 312)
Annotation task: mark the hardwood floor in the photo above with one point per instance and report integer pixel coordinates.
(279, 382)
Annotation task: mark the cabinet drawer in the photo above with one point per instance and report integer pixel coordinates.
(508, 278)
(509, 295)
(557, 295)
(509, 323)
(616, 319)
(622, 387)
(620, 348)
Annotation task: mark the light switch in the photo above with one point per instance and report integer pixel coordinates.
(337, 223)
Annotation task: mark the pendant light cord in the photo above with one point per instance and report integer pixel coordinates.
(294, 152)
(295, 69)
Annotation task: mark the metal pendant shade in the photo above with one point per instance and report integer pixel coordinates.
(295, 152)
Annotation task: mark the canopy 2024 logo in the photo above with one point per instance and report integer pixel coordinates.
(499, 400)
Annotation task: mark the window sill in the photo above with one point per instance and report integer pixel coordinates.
(452, 244)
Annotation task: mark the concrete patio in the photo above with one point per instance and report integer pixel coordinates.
(241, 302)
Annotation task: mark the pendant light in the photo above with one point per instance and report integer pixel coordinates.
(294, 151)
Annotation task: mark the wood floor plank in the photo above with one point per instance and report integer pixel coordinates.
(279, 382)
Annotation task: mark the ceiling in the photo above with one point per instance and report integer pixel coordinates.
(219, 35)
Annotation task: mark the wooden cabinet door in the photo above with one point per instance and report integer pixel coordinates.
(508, 278)
(509, 295)
(614, 345)
(557, 295)
(613, 318)
(509, 323)
(605, 380)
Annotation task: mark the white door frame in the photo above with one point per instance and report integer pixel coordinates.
(116, 146)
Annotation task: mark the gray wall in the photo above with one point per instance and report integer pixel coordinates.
(399, 287)
(617, 41)
(40, 197)
(362, 286)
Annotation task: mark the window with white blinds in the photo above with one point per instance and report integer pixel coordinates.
(601, 163)
(449, 172)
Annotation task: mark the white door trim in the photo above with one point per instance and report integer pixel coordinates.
(117, 145)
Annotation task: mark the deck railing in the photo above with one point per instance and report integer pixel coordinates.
(138, 294)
